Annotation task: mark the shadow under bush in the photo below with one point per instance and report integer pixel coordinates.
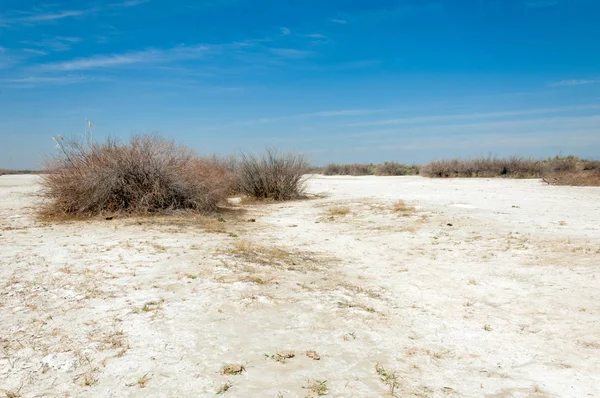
(271, 175)
(149, 174)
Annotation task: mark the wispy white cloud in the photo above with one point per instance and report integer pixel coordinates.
(34, 51)
(488, 115)
(541, 3)
(346, 112)
(292, 53)
(132, 3)
(575, 82)
(316, 36)
(135, 57)
(50, 15)
(58, 43)
(339, 21)
(36, 81)
(285, 31)
(45, 17)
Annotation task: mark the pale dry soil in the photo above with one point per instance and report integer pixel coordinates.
(485, 288)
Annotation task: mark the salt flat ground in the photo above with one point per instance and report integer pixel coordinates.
(485, 288)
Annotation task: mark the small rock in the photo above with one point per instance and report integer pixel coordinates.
(313, 355)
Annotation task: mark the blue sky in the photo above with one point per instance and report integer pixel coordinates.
(342, 80)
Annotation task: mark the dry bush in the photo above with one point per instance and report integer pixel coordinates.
(582, 178)
(395, 169)
(354, 169)
(271, 175)
(148, 174)
(573, 171)
(514, 167)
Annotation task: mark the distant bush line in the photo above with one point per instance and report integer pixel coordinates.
(559, 170)
(356, 169)
(12, 172)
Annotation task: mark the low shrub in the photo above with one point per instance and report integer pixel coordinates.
(271, 175)
(149, 174)
(395, 169)
(354, 169)
(514, 167)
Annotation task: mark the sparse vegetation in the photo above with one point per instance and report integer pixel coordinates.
(339, 211)
(271, 175)
(271, 256)
(401, 206)
(149, 174)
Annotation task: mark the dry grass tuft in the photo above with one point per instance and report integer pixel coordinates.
(317, 387)
(149, 174)
(388, 378)
(282, 356)
(143, 381)
(270, 256)
(339, 211)
(224, 388)
(233, 369)
(272, 175)
(401, 206)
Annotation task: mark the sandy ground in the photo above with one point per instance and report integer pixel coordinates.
(485, 288)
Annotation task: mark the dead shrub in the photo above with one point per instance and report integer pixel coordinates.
(149, 174)
(272, 175)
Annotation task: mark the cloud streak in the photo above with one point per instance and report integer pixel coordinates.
(575, 82)
(135, 57)
(36, 17)
(490, 115)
